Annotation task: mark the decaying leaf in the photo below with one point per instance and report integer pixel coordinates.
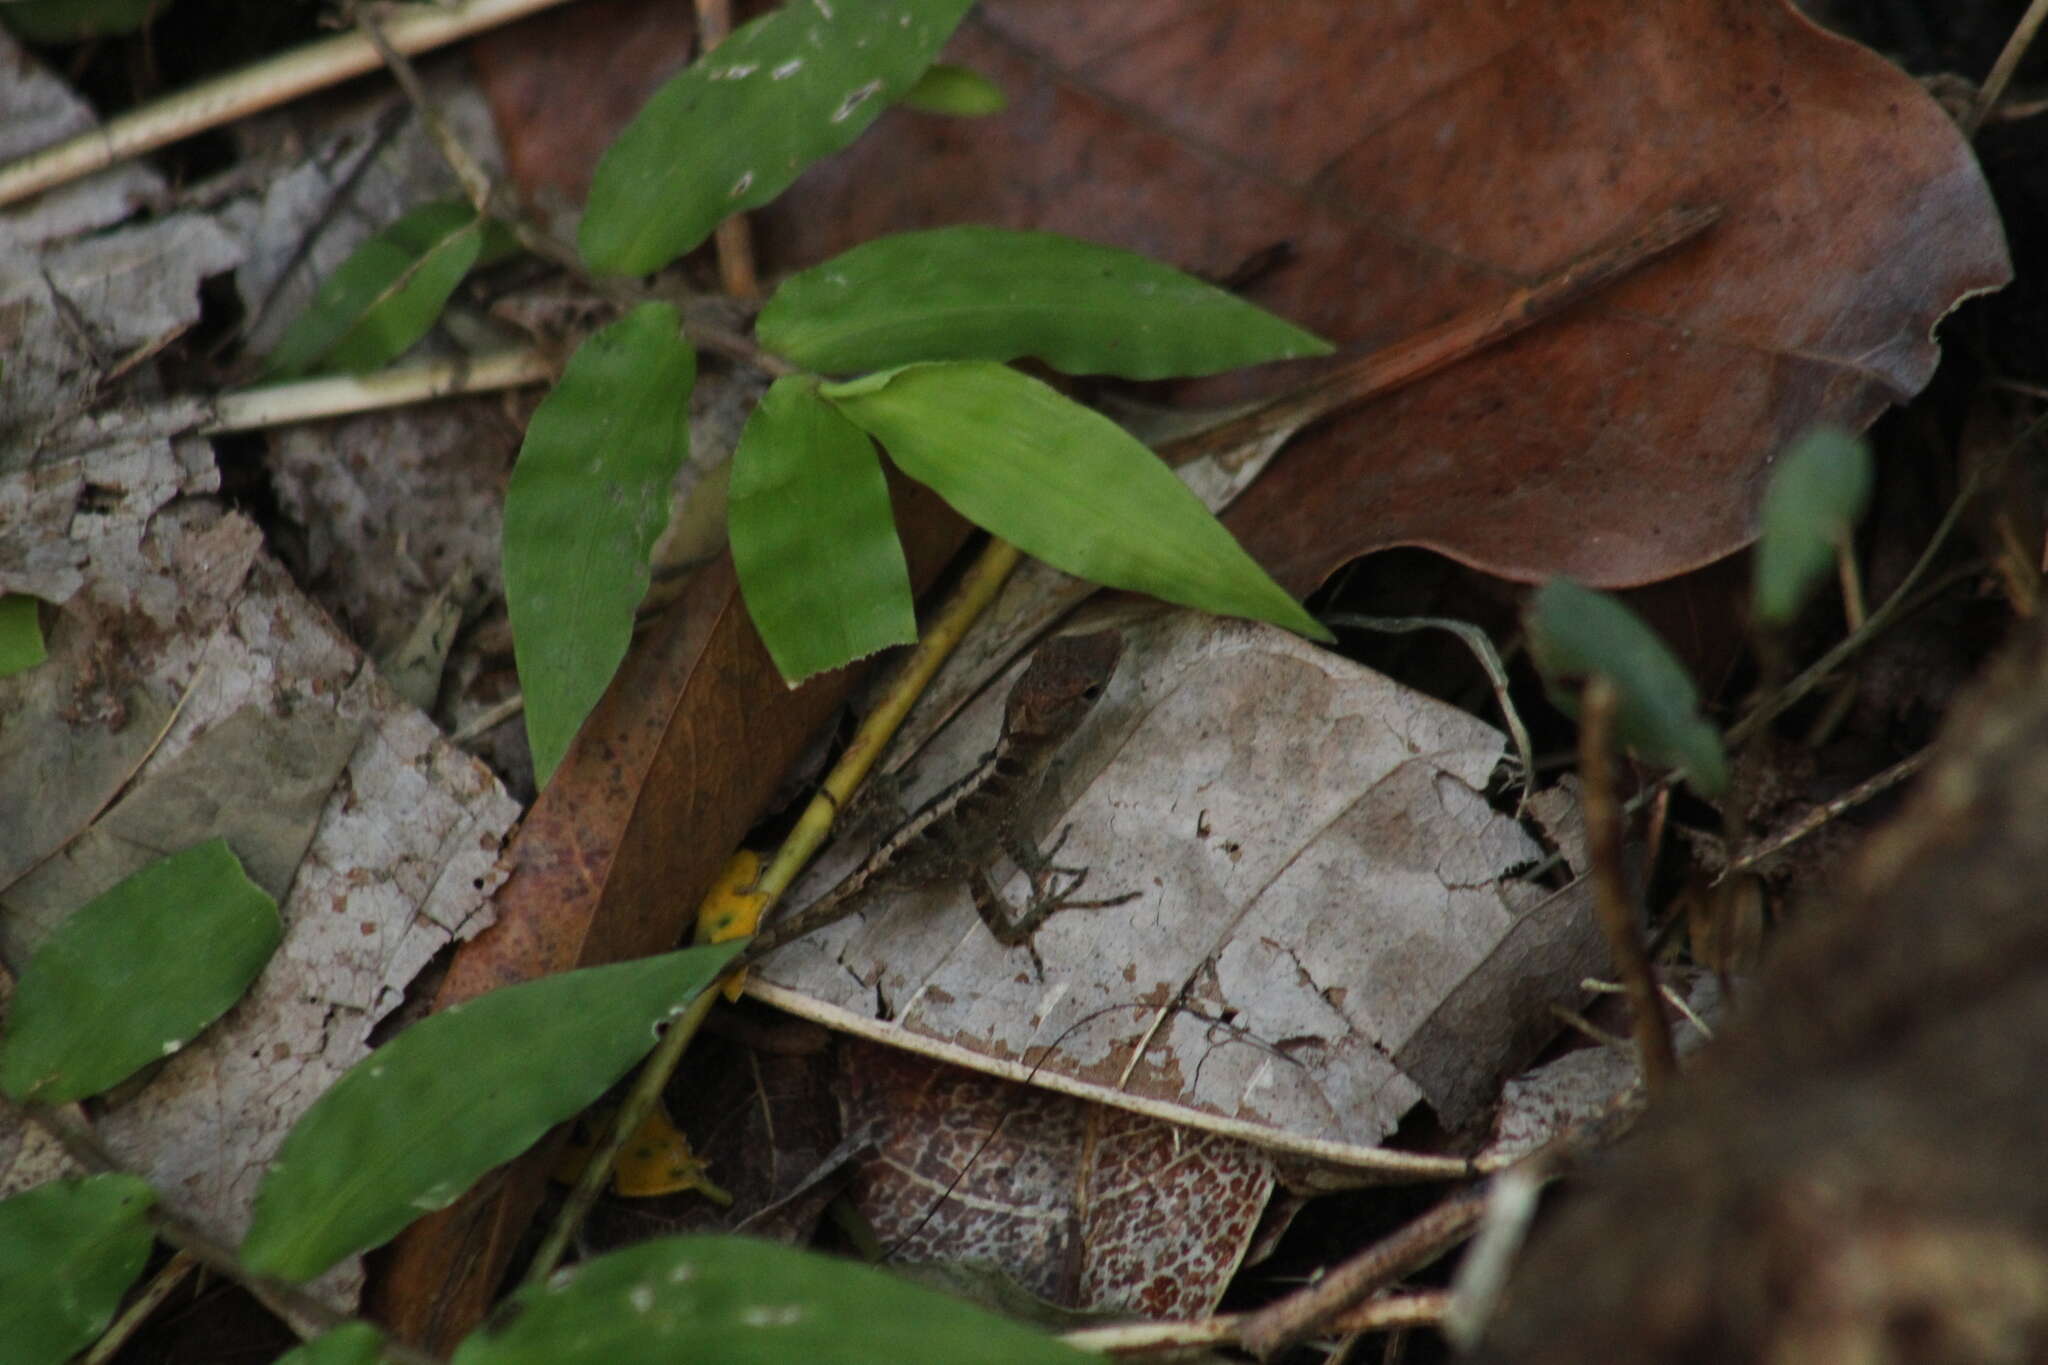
(1316, 866)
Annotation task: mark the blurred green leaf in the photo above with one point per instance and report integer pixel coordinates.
(1063, 483)
(735, 1301)
(68, 1252)
(418, 1121)
(586, 503)
(388, 293)
(135, 975)
(74, 21)
(955, 91)
(980, 293)
(352, 1343)
(731, 132)
(1576, 633)
(21, 634)
(1815, 498)
(813, 535)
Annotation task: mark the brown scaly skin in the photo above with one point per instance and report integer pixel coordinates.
(955, 835)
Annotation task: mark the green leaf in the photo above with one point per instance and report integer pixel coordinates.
(813, 535)
(352, 1343)
(68, 1252)
(735, 1301)
(414, 1124)
(73, 21)
(586, 503)
(133, 976)
(1576, 633)
(955, 91)
(981, 293)
(731, 132)
(21, 634)
(1062, 483)
(1815, 498)
(385, 296)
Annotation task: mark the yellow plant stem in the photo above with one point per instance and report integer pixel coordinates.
(977, 588)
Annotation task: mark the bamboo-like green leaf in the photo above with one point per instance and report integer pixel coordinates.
(736, 1301)
(1576, 633)
(1063, 483)
(352, 1343)
(956, 91)
(1815, 498)
(74, 21)
(21, 634)
(135, 975)
(389, 291)
(982, 293)
(68, 1252)
(586, 503)
(813, 535)
(731, 132)
(414, 1124)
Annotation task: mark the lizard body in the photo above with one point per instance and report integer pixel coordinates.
(960, 831)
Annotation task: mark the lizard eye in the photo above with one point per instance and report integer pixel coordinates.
(1091, 692)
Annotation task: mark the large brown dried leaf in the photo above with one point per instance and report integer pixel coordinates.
(1423, 159)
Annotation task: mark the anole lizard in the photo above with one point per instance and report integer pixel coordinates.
(959, 832)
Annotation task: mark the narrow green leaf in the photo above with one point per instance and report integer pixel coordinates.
(981, 293)
(813, 535)
(586, 503)
(736, 1301)
(133, 976)
(1062, 483)
(414, 1124)
(68, 1252)
(21, 634)
(956, 91)
(385, 296)
(1576, 633)
(1815, 498)
(731, 132)
(73, 21)
(352, 1343)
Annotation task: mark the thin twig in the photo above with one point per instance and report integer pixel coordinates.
(1309, 1311)
(253, 88)
(1821, 815)
(167, 1278)
(1611, 900)
(1380, 372)
(2016, 46)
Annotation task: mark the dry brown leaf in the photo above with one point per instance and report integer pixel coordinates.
(1317, 871)
(1086, 1206)
(1423, 161)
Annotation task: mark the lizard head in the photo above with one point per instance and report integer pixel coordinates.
(1065, 679)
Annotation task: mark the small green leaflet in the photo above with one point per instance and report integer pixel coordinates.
(1063, 483)
(21, 634)
(352, 1343)
(135, 975)
(813, 535)
(1575, 633)
(732, 131)
(418, 1121)
(586, 503)
(955, 91)
(68, 1252)
(387, 294)
(1816, 496)
(982, 293)
(736, 1301)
